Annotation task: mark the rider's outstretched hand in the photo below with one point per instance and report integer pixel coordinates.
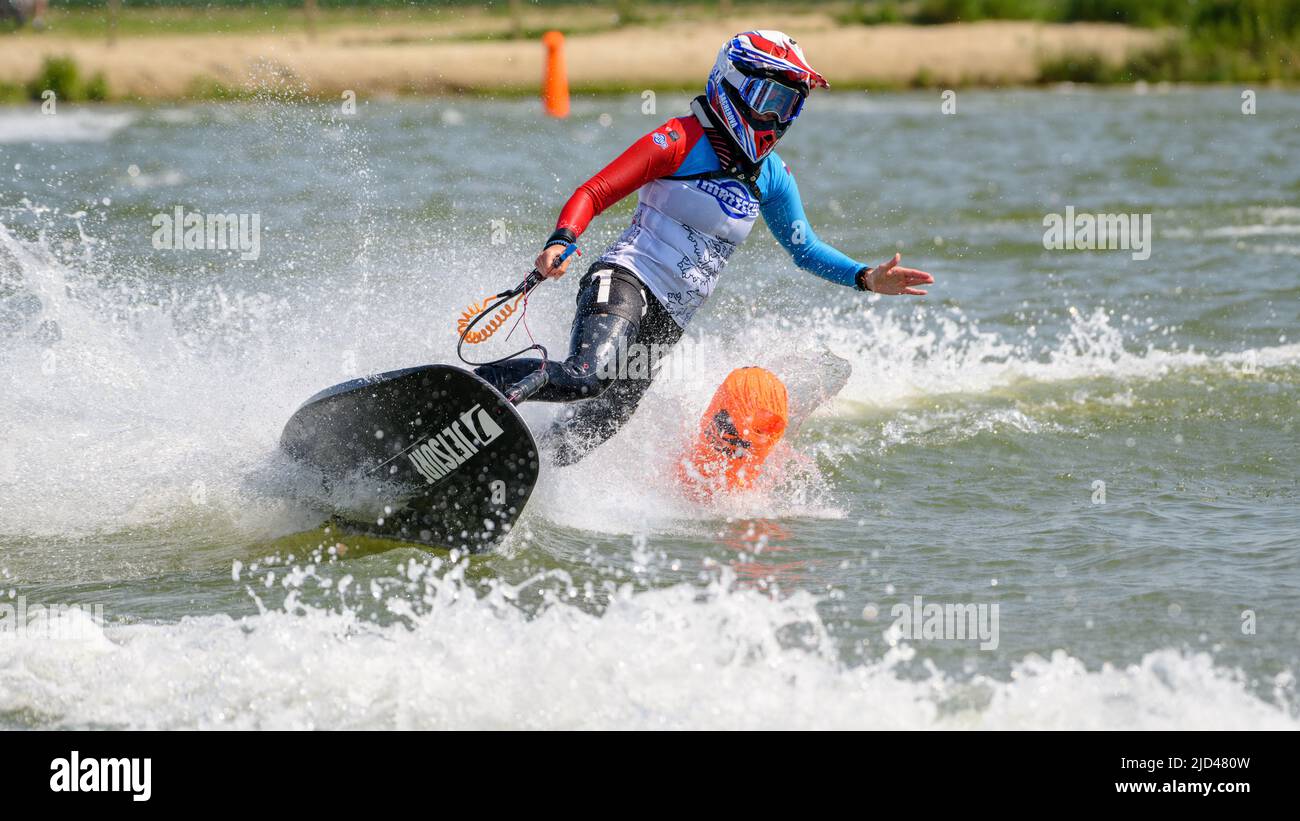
(891, 278)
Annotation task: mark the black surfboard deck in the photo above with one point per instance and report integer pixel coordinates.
(432, 455)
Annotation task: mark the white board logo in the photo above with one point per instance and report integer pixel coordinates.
(75, 774)
(456, 444)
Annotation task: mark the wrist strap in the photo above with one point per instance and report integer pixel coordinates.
(561, 236)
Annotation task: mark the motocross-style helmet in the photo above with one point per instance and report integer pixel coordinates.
(758, 86)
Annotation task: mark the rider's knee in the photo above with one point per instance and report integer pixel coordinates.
(594, 382)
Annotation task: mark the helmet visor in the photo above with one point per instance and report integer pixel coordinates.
(770, 100)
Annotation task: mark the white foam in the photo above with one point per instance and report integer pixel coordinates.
(67, 125)
(1253, 230)
(898, 360)
(158, 416)
(726, 660)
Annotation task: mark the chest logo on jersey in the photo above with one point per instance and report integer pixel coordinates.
(733, 198)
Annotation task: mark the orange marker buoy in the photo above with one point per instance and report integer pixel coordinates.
(555, 81)
(743, 423)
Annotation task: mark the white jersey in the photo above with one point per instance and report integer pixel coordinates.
(683, 233)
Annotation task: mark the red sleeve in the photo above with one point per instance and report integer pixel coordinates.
(655, 155)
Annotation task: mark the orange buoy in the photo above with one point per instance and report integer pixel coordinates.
(555, 81)
(743, 423)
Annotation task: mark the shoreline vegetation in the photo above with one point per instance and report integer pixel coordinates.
(165, 50)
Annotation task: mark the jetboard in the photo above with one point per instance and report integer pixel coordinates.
(432, 455)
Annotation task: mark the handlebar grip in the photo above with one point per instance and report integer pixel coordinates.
(568, 252)
(537, 277)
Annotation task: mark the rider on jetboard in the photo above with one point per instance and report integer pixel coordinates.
(702, 180)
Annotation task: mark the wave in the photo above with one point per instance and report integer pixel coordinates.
(901, 358)
(722, 658)
(27, 125)
(123, 412)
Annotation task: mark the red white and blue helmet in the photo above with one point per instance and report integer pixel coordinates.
(758, 86)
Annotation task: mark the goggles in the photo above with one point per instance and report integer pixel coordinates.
(771, 100)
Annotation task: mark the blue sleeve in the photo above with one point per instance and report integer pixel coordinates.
(783, 212)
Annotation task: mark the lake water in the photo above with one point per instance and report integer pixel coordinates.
(1097, 451)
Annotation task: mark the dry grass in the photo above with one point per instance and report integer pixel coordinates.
(425, 57)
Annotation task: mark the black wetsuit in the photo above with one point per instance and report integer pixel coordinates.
(616, 315)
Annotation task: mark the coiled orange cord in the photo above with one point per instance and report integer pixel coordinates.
(491, 325)
(476, 311)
